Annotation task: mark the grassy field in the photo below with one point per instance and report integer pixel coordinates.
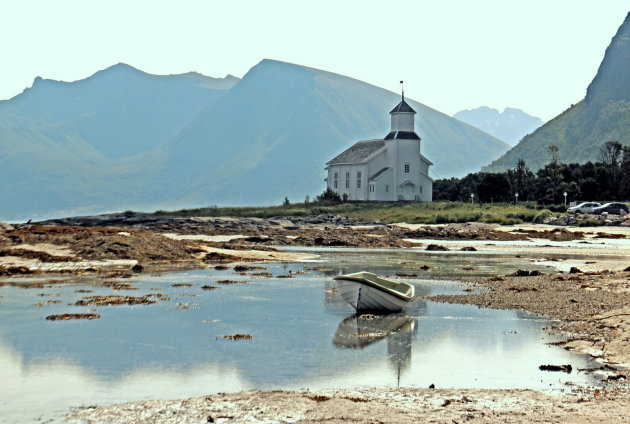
(421, 213)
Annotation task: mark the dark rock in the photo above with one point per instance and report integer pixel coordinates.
(256, 239)
(137, 268)
(468, 249)
(66, 317)
(574, 270)
(15, 270)
(564, 368)
(6, 227)
(436, 248)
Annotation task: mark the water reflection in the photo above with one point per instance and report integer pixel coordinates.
(164, 351)
(49, 388)
(359, 331)
(423, 263)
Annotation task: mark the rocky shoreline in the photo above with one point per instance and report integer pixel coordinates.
(590, 302)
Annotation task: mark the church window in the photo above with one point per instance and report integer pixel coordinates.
(336, 180)
(420, 189)
(386, 188)
(347, 180)
(358, 179)
(406, 168)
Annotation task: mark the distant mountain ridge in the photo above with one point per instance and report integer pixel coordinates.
(126, 139)
(509, 126)
(580, 131)
(119, 111)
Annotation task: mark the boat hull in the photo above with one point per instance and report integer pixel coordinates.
(364, 297)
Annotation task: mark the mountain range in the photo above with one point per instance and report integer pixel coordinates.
(509, 126)
(579, 132)
(124, 139)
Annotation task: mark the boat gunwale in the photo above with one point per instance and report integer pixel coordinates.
(363, 280)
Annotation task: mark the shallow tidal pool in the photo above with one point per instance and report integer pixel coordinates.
(302, 336)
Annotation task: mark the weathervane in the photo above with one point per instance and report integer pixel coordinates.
(403, 90)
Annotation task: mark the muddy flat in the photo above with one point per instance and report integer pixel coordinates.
(588, 294)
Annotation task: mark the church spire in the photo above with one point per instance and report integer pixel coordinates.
(402, 120)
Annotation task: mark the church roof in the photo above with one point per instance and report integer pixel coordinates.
(402, 135)
(379, 173)
(358, 152)
(402, 107)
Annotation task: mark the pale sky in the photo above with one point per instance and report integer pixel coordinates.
(536, 55)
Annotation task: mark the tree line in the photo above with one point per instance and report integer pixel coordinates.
(607, 179)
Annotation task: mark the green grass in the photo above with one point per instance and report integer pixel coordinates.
(416, 213)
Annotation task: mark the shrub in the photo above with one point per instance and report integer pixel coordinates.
(590, 222)
(541, 216)
(510, 221)
(328, 195)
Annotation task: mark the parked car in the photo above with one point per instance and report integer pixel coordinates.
(612, 208)
(584, 207)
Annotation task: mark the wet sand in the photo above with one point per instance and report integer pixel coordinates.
(375, 406)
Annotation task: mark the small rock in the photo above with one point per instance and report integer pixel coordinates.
(6, 227)
(137, 268)
(436, 248)
(564, 368)
(574, 270)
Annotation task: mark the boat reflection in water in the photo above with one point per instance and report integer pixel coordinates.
(358, 331)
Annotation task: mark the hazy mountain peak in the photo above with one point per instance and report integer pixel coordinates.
(582, 129)
(612, 81)
(276, 66)
(509, 126)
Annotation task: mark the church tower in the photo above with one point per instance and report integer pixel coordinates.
(402, 122)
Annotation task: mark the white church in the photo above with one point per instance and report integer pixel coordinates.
(389, 169)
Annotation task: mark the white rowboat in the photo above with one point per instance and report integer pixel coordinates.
(369, 292)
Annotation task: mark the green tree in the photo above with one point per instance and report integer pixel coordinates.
(611, 156)
(624, 186)
(494, 187)
(521, 180)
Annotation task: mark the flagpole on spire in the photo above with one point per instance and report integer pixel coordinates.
(403, 90)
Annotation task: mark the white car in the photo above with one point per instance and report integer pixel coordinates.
(586, 207)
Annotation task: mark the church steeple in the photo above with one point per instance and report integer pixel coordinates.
(402, 121)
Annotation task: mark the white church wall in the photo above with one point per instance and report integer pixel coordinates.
(424, 167)
(402, 122)
(407, 169)
(383, 187)
(426, 195)
(351, 180)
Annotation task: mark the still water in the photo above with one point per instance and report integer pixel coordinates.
(303, 336)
